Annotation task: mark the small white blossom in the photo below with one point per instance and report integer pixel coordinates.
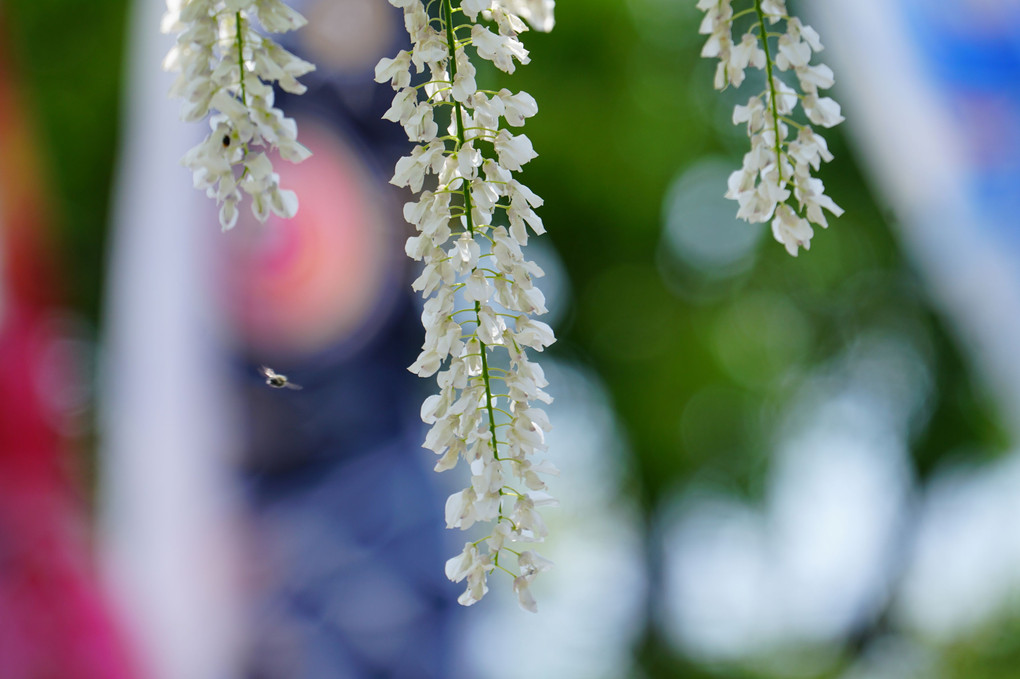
(472, 222)
(530, 564)
(777, 169)
(790, 230)
(226, 68)
(473, 567)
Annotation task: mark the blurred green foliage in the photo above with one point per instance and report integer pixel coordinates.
(627, 106)
(698, 367)
(69, 58)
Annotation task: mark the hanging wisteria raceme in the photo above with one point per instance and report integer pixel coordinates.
(777, 169)
(472, 221)
(227, 68)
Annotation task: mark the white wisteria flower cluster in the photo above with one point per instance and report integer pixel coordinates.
(227, 67)
(777, 170)
(472, 220)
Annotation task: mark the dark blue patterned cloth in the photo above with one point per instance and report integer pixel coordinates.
(347, 540)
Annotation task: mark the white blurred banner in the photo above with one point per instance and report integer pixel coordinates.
(166, 510)
(930, 92)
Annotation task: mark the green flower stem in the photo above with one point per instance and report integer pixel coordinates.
(240, 56)
(448, 20)
(792, 123)
(741, 13)
(240, 67)
(491, 409)
(502, 568)
(772, 87)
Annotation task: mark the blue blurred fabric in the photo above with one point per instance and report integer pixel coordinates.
(348, 539)
(972, 54)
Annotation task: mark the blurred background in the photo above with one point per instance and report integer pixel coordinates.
(772, 467)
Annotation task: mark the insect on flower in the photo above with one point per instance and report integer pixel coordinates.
(276, 380)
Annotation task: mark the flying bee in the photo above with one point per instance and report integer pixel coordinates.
(276, 380)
